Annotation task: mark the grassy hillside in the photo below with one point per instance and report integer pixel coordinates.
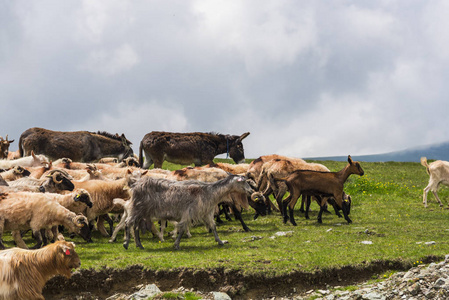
(387, 210)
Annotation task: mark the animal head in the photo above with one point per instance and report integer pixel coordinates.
(236, 147)
(94, 172)
(20, 171)
(38, 159)
(58, 180)
(82, 227)
(66, 257)
(241, 185)
(354, 167)
(83, 196)
(131, 162)
(4, 147)
(127, 145)
(258, 203)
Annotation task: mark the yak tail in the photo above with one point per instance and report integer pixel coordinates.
(424, 163)
(140, 155)
(20, 147)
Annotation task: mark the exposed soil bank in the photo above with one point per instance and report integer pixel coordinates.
(100, 284)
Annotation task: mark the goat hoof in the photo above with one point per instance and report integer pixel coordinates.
(125, 245)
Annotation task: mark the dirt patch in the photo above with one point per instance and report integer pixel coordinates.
(100, 284)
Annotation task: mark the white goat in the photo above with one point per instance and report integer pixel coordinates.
(439, 173)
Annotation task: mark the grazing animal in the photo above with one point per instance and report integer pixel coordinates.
(236, 169)
(35, 211)
(103, 193)
(25, 272)
(13, 154)
(3, 181)
(255, 167)
(237, 202)
(329, 184)
(29, 161)
(277, 168)
(15, 173)
(4, 147)
(439, 174)
(80, 146)
(187, 148)
(186, 202)
(54, 181)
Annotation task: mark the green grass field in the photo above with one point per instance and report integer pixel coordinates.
(386, 210)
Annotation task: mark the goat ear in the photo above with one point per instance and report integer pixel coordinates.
(349, 159)
(65, 249)
(32, 154)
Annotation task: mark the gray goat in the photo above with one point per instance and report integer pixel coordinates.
(186, 202)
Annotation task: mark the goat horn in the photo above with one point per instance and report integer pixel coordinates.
(54, 178)
(78, 221)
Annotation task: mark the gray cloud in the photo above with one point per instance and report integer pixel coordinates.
(306, 78)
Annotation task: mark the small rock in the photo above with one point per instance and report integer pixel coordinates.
(366, 242)
(220, 296)
(146, 292)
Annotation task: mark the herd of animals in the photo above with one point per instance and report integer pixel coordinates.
(60, 183)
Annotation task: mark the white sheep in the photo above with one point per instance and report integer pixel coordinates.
(35, 211)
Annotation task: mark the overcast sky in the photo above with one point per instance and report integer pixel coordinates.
(306, 78)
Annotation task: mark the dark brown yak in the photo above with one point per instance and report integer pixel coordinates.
(186, 148)
(83, 146)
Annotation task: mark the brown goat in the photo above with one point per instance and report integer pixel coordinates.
(25, 272)
(319, 184)
(103, 193)
(4, 147)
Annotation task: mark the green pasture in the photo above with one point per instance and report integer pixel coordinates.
(387, 211)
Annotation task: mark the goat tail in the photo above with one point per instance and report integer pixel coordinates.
(425, 164)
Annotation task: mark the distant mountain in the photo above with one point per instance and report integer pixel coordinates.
(434, 151)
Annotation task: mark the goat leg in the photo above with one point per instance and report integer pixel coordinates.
(2, 226)
(38, 238)
(308, 202)
(284, 210)
(137, 236)
(180, 230)
(344, 207)
(238, 216)
(292, 218)
(126, 242)
(320, 213)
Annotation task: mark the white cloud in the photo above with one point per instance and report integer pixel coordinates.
(111, 62)
(306, 78)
